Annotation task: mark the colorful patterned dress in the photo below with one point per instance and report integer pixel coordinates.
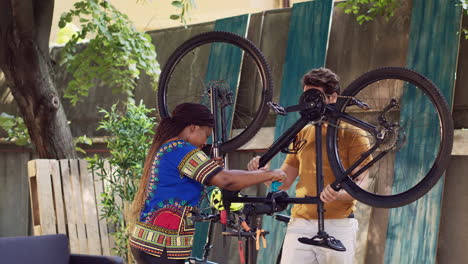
(174, 188)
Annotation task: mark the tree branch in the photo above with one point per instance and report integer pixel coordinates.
(23, 19)
(5, 24)
(43, 13)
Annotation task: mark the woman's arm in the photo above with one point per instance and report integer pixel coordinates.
(234, 180)
(291, 172)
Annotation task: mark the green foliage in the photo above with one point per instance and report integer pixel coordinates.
(464, 5)
(16, 129)
(83, 140)
(185, 6)
(116, 54)
(131, 134)
(367, 10)
(18, 132)
(66, 33)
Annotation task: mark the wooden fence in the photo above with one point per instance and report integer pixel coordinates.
(65, 199)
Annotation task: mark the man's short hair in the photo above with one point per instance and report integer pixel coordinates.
(322, 77)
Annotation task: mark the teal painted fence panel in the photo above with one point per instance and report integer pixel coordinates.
(433, 49)
(225, 60)
(224, 64)
(308, 34)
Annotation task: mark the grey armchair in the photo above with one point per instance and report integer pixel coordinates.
(46, 249)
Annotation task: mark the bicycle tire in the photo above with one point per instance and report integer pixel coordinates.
(260, 64)
(431, 170)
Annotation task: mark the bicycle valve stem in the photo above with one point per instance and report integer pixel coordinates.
(216, 151)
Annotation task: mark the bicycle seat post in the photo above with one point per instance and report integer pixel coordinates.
(319, 174)
(322, 238)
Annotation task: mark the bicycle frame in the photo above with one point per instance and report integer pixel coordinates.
(287, 137)
(329, 112)
(313, 108)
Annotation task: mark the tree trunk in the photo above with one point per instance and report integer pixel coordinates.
(24, 59)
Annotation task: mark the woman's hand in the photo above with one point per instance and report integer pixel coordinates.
(254, 163)
(219, 161)
(278, 175)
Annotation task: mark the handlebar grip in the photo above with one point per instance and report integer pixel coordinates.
(336, 186)
(275, 186)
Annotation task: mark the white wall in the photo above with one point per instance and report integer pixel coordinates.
(154, 14)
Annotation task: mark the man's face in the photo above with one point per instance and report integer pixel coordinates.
(331, 98)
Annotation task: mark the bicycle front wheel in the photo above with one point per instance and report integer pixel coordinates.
(243, 83)
(404, 122)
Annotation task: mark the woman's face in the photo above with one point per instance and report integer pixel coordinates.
(199, 135)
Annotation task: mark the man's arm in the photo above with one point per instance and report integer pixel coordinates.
(291, 175)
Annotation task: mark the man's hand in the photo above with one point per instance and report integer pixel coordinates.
(329, 195)
(254, 163)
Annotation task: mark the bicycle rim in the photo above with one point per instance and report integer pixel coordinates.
(413, 143)
(244, 86)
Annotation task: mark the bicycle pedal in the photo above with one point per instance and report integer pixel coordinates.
(278, 109)
(336, 244)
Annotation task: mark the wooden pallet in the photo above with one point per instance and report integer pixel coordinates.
(65, 199)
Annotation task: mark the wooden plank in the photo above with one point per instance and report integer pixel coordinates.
(78, 206)
(307, 46)
(58, 197)
(110, 227)
(34, 198)
(98, 187)
(90, 209)
(224, 63)
(17, 195)
(261, 140)
(460, 142)
(45, 198)
(70, 211)
(32, 168)
(453, 238)
(433, 49)
(14, 196)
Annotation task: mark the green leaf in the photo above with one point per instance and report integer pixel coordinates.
(62, 23)
(80, 150)
(177, 4)
(6, 123)
(174, 17)
(22, 141)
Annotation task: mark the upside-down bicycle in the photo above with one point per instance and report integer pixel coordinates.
(403, 114)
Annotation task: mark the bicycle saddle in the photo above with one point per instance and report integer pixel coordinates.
(325, 241)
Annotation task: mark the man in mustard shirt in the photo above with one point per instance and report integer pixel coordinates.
(339, 206)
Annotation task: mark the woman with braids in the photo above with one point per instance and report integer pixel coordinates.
(174, 173)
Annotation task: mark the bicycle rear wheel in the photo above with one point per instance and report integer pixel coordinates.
(197, 67)
(411, 143)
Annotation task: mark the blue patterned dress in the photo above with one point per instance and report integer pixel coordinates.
(174, 188)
